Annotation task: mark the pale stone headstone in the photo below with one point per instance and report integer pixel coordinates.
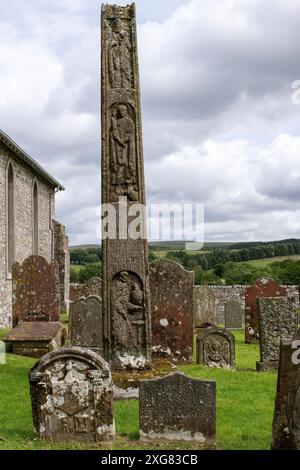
(171, 289)
(126, 303)
(277, 318)
(216, 348)
(177, 407)
(36, 294)
(286, 422)
(263, 287)
(234, 313)
(71, 395)
(205, 307)
(86, 323)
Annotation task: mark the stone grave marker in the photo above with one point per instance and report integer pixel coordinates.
(234, 313)
(263, 287)
(93, 286)
(277, 318)
(171, 289)
(286, 421)
(36, 291)
(34, 339)
(177, 407)
(71, 395)
(216, 348)
(205, 307)
(86, 328)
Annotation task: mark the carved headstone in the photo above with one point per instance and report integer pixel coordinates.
(34, 339)
(93, 286)
(205, 307)
(36, 295)
(216, 348)
(263, 287)
(126, 309)
(277, 318)
(286, 422)
(171, 289)
(234, 313)
(71, 394)
(86, 323)
(177, 407)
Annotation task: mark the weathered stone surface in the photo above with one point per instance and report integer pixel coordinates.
(286, 422)
(35, 290)
(177, 407)
(277, 318)
(171, 289)
(62, 256)
(71, 394)
(86, 328)
(263, 287)
(34, 339)
(93, 286)
(205, 307)
(126, 303)
(234, 315)
(216, 348)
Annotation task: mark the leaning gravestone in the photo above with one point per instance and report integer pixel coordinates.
(36, 292)
(234, 315)
(126, 301)
(86, 323)
(71, 395)
(263, 287)
(34, 339)
(171, 289)
(177, 407)
(216, 348)
(286, 421)
(277, 318)
(205, 307)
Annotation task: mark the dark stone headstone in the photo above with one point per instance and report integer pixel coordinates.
(93, 286)
(86, 323)
(177, 407)
(234, 313)
(263, 287)
(216, 348)
(71, 394)
(171, 289)
(36, 292)
(34, 339)
(277, 318)
(286, 422)
(205, 306)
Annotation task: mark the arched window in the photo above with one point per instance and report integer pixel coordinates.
(10, 218)
(35, 221)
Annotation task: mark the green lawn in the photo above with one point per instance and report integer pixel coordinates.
(245, 402)
(262, 263)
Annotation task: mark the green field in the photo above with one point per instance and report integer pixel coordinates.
(262, 263)
(245, 402)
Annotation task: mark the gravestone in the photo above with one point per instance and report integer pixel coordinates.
(71, 395)
(126, 303)
(93, 286)
(36, 293)
(286, 421)
(86, 323)
(171, 289)
(34, 339)
(234, 315)
(263, 287)
(205, 307)
(177, 407)
(216, 348)
(277, 318)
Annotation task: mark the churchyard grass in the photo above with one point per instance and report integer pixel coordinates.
(245, 403)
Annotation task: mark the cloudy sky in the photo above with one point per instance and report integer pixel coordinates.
(220, 124)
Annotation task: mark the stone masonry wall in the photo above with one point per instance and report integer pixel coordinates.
(237, 292)
(24, 177)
